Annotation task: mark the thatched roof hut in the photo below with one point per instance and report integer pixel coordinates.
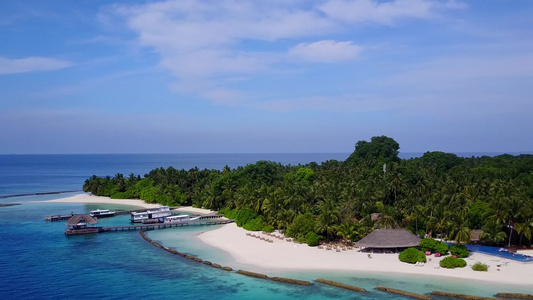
(389, 238)
(76, 219)
(475, 235)
(77, 224)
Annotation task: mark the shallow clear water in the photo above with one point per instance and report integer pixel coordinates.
(184, 240)
(40, 261)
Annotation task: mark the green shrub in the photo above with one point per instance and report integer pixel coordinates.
(428, 244)
(459, 251)
(230, 214)
(412, 255)
(442, 248)
(451, 262)
(433, 246)
(312, 239)
(244, 215)
(479, 266)
(119, 195)
(302, 224)
(268, 228)
(254, 224)
(224, 211)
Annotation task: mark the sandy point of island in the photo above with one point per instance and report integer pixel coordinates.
(91, 199)
(282, 255)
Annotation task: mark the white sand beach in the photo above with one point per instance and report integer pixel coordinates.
(86, 198)
(195, 210)
(284, 255)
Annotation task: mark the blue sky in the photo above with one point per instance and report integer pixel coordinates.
(220, 76)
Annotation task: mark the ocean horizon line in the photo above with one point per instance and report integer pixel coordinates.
(419, 153)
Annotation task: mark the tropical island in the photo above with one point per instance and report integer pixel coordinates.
(425, 207)
(436, 195)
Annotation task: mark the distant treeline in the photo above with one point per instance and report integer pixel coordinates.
(438, 194)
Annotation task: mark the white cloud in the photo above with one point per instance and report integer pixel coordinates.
(326, 51)
(30, 64)
(203, 43)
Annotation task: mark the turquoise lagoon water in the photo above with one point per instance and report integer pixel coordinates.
(185, 240)
(37, 260)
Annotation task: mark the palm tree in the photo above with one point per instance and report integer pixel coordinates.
(516, 205)
(348, 230)
(461, 234)
(385, 218)
(493, 233)
(328, 218)
(498, 210)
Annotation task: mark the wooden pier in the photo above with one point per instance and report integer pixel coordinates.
(154, 226)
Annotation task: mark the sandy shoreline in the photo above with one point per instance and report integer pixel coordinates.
(91, 199)
(86, 198)
(283, 255)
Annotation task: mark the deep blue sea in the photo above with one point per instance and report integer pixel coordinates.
(38, 261)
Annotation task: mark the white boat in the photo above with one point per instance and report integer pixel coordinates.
(102, 213)
(152, 214)
(177, 219)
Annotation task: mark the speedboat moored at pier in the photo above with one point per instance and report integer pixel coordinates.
(102, 213)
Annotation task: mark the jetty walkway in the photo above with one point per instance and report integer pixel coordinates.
(156, 226)
(209, 220)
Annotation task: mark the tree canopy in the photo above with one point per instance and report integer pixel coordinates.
(438, 194)
(380, 148)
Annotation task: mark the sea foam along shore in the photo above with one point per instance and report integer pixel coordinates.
(91, 199)
(283, 255)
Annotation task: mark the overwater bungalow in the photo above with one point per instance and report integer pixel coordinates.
(388, 240)
(81, 224)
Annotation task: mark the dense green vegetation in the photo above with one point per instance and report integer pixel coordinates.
(412, 255)
(433, 246)
(436, 195)
(451, 262)
(479, 266)
(459, 251)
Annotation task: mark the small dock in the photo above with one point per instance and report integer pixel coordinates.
(156, 226)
